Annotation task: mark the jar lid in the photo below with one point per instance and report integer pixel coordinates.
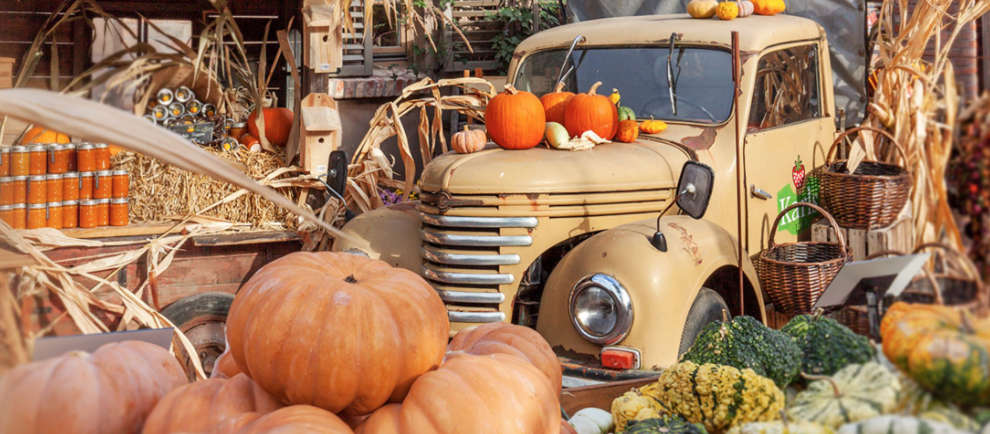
(36, 178)
(84, 174)
(18, 148)
(104, 173)
(70, 203)
(6, 207)
(37, 147)
(240, 125)
(6, 178)
(54, 204)
(70, 175)
(87, 202)
(119, 172)
(85, 146)
(102, 201)
(101, 145)
(56, 146)
(18, 205)
(37, 205)
(5, 149)
(20, 178)
(69, 146)
(118, 200)
(53, 176)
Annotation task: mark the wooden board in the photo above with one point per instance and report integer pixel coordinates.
(598, 395)
(898, 236)
(123, 231)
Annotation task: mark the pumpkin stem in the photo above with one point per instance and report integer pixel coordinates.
(511, 89)
(350, 279)
(724, 329)
(818, 313)
(594, 88)
(465, 127)
(835, 386)
(559, 87)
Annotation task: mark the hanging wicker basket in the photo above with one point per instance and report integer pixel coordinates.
(795, 274)
(873, 196)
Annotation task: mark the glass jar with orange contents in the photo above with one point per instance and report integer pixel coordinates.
(7, 214)
(70, 214)
(19, 161)
(55, 215)
(87, 213)
(86, 181)
(53, 186)
(103, 184)
(37, 189)
(102, 212)
(58, 159)
(70, 186)
(6, 190)
(70, 150)
(37, 159)
(37, 215)
(4, 160)
(102, 156)
(121, 183)
(19, 185)
(118, 211)
(86, 157)
(18, 216)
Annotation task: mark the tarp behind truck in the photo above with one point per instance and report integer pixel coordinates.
(844, 21)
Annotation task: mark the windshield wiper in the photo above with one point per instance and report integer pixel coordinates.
(671, 79)
(561, 75)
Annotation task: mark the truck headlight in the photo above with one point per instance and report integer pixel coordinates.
(601, 310)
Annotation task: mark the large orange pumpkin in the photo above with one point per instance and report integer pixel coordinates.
(199, 406)
(515, 119)
(495, 393)
(111, 390)
(42, 135)
(511, 339)
(297, 419)
(590, 111)
(554, 103)
(278, 125)
(336, 330)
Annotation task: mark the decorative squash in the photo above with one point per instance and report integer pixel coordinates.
(780, 427)
(515, 119)
(592, 420)
(111, 390)
(826, 345)
(626, 114)
(652, 126)
(768, 7)
(468, 141)
(224, 366)
(727, 10)
(278, 125)
(856, 392)
(951, 415)
(495, 393)
(615, 96)
(728, 396)
(664, 424)
(297, 419)
(628, 131)
(944, 350)
(743, 343)
(248, 140)
(556, 135)
(511, 339)
(636, 405)
(590, 111)
(353, 332)
(702, 8)
(897, 424)
(745, 8)
(554, 103)
(199, 406)
(42, 135)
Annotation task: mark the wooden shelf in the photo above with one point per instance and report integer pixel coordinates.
(123, 231)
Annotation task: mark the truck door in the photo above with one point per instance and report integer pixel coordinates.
(787, 121)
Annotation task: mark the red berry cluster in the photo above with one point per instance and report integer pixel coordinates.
(968, 177)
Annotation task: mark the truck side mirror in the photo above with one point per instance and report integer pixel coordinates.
(694, 189)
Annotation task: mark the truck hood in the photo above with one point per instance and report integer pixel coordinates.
(640, 165)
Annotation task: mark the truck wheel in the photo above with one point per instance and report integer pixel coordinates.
(202, 317)
(707, 307)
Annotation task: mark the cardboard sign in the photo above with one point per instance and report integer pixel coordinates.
(45, 348)
(893, 273)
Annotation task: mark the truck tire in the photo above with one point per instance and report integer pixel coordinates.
(707, 307)
(203, 318)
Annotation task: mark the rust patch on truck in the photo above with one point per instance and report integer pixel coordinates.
(690, 246)
(704, 140)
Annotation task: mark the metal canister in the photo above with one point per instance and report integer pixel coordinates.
(55, 215)
(160, 113)
(86, 157)
(184, 94)
(237, 130)
(7, 214)
(165, 96)
(37, 189)
(118, 211)
(19, 185)
(121, 183)
(70, 151)
(103, 184)
(209, 110)
(37, 159)
(70, 214)
(18, 215)
(194, 107)
(37, 215)
(87, 213)
(70, 186)
(53, 187)
(102, 156)
(176, 110)
(20, 161)
(102, 212)
(4, 160)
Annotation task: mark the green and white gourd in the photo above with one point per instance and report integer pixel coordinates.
(855, 393)
(780, 427)
(888, 424)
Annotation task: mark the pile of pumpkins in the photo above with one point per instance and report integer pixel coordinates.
(732, 9)
(516, 119)
(317, 342)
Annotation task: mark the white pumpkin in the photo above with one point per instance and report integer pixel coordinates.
(592, 421)
(702, 8)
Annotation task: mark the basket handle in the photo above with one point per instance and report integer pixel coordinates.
(928, 274)
(968, 264)
(831, 221)
(844, 134)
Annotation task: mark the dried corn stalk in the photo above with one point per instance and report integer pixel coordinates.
(916, 100)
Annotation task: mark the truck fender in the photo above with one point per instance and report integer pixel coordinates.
(391, 234)
(661, 285)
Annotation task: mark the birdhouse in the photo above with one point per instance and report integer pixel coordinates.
(323, 49)
(320, 130)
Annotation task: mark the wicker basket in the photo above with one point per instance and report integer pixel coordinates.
(873, 196)
(795, 274)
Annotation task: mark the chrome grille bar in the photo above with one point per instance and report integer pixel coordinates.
(467, 278)
(476, 240)
(439, 257)
(479, 222)
(470, 297)
(456, 316)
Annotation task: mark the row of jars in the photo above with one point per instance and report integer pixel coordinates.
(88, 213)
(58, 187)
(40, 159)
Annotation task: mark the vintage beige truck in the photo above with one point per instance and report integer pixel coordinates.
(561, 241)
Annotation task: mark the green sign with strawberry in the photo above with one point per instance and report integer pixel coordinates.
(804, 189)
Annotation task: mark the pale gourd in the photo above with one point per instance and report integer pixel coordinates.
(897, 424)
(556, 135)
(592, 421)
(702, 8)
(856, 392)
(745, 8)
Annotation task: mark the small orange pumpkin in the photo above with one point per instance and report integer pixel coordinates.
(768, 7)
(555, 103)
(516, 340)
(652, 126)
(278, 124)
(628, 131)
(515, 119)
(248, 140)
(297, 418)
(590, 111)
(42, 135)
(197, 407)
(468, 141)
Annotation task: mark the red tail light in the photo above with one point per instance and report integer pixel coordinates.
(620, 358)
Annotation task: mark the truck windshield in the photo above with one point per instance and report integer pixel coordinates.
(703, 78)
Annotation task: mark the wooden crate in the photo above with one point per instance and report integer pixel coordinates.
(471, 17)
(6, 72)
(898, 236)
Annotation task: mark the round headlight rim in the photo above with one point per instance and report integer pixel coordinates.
(621, 299)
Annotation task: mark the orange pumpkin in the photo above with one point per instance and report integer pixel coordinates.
(248, 140)
(495, 393)
(468, 141)
(652, 126)
(42, 135)
(628, 131)
(555, 103)
(297, 419)
(515, 119)
(111, 390)
(511, 339)
(590, 111)
(353, 332)
(224, 366)
(278, 125)
(768, 7)
(199, 406)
